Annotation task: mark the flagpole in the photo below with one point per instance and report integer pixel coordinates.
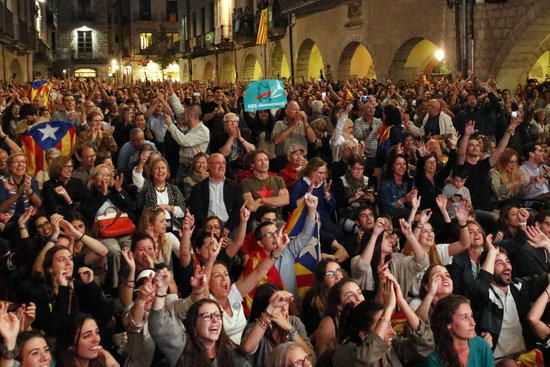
(266, 76)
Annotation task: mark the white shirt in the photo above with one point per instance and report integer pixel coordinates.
(216, 205)
(511, 333)
(234, 325)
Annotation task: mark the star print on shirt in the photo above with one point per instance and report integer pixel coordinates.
(265, 192)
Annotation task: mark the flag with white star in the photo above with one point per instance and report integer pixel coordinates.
(46, 135)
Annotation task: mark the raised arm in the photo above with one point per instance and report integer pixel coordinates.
(469, 130)
(235, 245)
(463, 243)
(539, 327)
(503, 143)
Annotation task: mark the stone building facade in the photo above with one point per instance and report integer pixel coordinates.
(376, 38)
(17, 40)
(84, 40)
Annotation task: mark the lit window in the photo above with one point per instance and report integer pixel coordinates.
(84, 40)
(145, 40)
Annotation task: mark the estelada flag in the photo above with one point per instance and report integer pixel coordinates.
(308, 259)
(42, 89)
(46, 135)
(261, 38)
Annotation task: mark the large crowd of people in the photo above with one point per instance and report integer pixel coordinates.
(161, 237)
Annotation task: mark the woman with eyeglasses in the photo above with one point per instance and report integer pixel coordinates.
(97, 135)
(190, 332)
(106, 195)
(314, 179)
(270, 324)
(62, 194)
(157, 191)
(18, 191)
(290, 354)
(508, 181)
(315, 303)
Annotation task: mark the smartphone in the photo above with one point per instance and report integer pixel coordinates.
(324, 95)
(514, 114)
(364, 99)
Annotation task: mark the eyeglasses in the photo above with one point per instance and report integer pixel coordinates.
(269, 234)
(302, 362)
(101, 175)
(19, 162)
(333, 273)
(42, 225)
(215, 226)
(208, 316)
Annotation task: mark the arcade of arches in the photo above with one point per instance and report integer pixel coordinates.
(512, 43)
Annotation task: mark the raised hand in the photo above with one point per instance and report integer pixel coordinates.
(188, 221)
(199, 281)
(147, 290)
(60, 190)
(24, 218)
(425, 216)
(441, 201)
(55, 219)
(462, 212)
(214, 248)
(129, 258)
(86, 275)
(9, 325)
(453, 140)
(389, 297)
(278, 299)
(118, 182)
(523, 215)
(311, 201)
(282, 241)
(416, 200)
(405, 227)
(162, 278)
(379, 226)
(470, 128)
(434, 285)
(489, 246)
(244, 213)
(537, 238)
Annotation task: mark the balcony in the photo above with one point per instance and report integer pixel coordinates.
(9, 27)
(51, 16)
(2, 17)
(306, 6)
(26, 36)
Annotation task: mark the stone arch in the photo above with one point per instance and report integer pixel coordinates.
(228, 74)
(414, 56)
(309, 61)
(252, 70)
(528, 40)
(541, 69)
(278, 64)
(16, 72)
(208, 73)
(355, 60)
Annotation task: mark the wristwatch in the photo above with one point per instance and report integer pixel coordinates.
(292, 334)
(274, 258)
(6, 353)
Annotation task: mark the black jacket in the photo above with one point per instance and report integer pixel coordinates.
(461, 273)
(489, 315)
(200, 199)
(95, 199)
(55, 203)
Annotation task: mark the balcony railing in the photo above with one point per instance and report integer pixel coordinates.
(26, 35)
(9, 28)
(2, 17)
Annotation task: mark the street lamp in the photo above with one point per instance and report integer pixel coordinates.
(439, 55)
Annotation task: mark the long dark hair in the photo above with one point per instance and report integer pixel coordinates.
(67, 341)
(441, 317)
(353, 320)
(389, 168)
(194, 354)
(261, 300)
(319, 289)
(333, 299)
(267, 127)
(377, 258)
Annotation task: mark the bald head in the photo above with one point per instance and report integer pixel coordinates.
(291, 110)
